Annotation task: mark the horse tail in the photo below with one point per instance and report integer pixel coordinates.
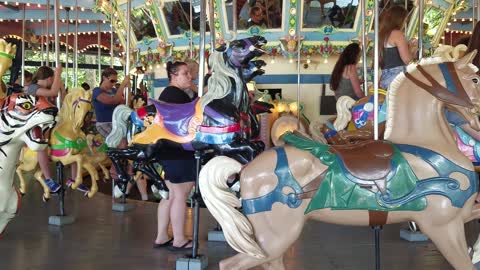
(120, 117)
(344, 104)
(221, 203)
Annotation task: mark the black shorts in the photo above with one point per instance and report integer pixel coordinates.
(179, 171)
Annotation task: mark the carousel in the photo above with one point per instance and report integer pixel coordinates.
(274, 147)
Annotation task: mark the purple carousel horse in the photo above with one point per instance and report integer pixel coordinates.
(221, 120)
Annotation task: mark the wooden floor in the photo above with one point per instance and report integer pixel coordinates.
(102, 239)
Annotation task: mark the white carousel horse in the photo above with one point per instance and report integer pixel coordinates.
(417, 175)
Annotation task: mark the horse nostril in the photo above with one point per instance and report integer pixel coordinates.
(52, 111)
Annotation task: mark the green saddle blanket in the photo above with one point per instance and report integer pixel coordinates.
(340, 190)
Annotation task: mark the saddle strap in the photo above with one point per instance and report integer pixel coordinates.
(311, 188)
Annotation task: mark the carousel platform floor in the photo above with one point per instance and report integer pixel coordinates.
(102, 239)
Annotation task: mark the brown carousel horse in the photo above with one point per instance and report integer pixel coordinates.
(353, 122)
(417, 175)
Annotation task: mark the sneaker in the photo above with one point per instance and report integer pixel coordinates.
(52, 185)
(82, 188)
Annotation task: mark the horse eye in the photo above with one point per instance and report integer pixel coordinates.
(475, 80)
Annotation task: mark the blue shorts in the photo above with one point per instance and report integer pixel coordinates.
(388, 75)
(179, 171)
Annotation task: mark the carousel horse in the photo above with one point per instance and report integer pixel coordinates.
(25, 120)
(213, 121)
(354, 121)
(68, 143)
(417, 174)
(97, 153)
(7, 53)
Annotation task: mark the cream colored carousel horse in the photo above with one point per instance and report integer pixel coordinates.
(27, 120)
(418, 174)
(68, 143)
(7, 53)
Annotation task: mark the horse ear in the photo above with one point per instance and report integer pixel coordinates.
(467, 59)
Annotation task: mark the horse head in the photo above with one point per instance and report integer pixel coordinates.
(27, 119)
(76, 104)
(241, 51)
(470, 82)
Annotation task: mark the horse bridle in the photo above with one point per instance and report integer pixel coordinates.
(454, 93)
(78, 101)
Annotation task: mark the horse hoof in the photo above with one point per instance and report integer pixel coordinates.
(412, 226)
(164, 194)
(45, 199)
(117, 192)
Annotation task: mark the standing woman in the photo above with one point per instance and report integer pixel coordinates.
(344, 80)
(47, 83)
(179, 168)
(396, 52)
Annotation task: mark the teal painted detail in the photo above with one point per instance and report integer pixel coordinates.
(317, 149)
(340, 190)
(285, 179)
(442, 185)
(448, 78)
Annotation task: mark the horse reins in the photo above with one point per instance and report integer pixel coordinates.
(454, 93)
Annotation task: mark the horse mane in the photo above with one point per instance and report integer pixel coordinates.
(219, 84)
(399, 80)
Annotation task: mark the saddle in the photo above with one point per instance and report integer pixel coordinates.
(176, 116)
(369, 161)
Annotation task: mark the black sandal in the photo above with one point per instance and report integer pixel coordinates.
(166, 244)
(182, 248)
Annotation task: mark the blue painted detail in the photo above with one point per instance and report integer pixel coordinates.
(285, 179)
(438, 185)
(330, 125)
(136, 120)
(382, 112)
(330, 134)
(212, 138)
(445, 186)
(448, 78)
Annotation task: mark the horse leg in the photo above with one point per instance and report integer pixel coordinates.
(93, 176)
(22, 188)
(450, 240)
(240, 262)
(275, 264)
(38, 175)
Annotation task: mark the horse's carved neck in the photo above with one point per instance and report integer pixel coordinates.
(415, 117)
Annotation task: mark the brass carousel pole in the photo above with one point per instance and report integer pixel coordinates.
(376, 80)
(365, 47)
(60, 219)
(23, 46)
(196, 261)
(47, 48)
(75, 48)
(123, 206)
